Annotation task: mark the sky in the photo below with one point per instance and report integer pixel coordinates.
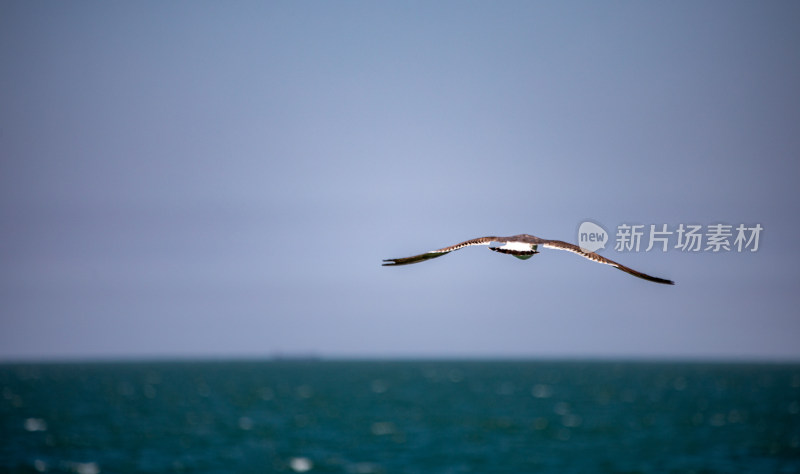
(223, 179)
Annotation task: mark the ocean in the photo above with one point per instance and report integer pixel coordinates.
(408, 416)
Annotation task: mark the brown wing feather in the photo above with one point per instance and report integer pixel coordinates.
(438, 253)
(560, 245)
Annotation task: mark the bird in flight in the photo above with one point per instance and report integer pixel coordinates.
(522, 246)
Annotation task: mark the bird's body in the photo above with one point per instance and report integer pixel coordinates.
(522, 246)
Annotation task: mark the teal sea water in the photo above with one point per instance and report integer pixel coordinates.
(400, 416)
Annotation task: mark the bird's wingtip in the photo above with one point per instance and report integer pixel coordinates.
(663, 281)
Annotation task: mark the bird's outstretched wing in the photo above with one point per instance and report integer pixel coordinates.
(438, 253)
(560, 245)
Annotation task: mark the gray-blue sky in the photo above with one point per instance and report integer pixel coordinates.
(223, 179)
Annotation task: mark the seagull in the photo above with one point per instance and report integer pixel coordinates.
(522, 246)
